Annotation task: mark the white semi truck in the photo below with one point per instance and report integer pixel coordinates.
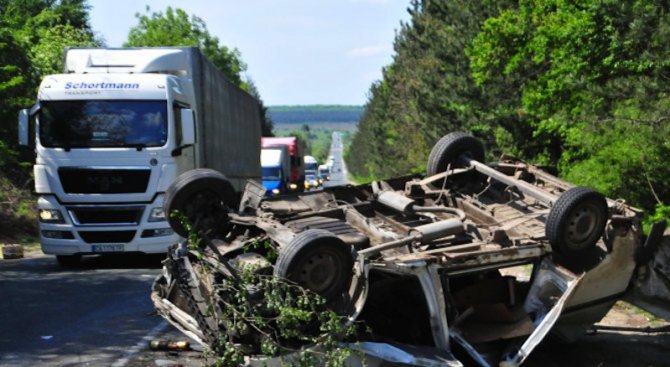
(114, 131)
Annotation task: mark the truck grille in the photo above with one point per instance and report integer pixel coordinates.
(106, 215)
(103, 181)
(107, 237)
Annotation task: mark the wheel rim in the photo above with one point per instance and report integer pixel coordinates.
(204, 210)
(320, 271)
(582, 224)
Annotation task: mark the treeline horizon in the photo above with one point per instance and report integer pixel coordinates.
(297, 114)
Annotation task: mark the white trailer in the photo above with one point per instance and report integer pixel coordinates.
(113, 132)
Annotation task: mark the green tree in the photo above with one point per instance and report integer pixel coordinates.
(267, 125)
(582, 85)
(426, 92)
(594, 78)
(47, 54)
(176, 28)
(17, 80)
(33, 36)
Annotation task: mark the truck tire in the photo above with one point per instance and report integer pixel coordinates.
(317, 260)
(576, 221)
(448, 150)
(68, 261)
(203, 197)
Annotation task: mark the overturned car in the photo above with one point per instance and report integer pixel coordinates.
(473, 263)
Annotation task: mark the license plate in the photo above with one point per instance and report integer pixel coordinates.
(107, 248)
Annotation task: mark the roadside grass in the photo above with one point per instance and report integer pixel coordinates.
(18, 214)
(30, 244)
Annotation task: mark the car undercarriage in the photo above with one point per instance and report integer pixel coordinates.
(473, 263)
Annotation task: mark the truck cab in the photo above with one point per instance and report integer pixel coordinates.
(110, 135)
(276, 167)
(296, 160)
(324, 172)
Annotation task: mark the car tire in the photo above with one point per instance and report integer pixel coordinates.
(203, 196)
(317, 260)
(68, 261)
(450, 148)
(576, 221)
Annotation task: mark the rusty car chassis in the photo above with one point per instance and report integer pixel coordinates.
(472, 264)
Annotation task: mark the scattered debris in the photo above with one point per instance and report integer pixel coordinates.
(169, 345)
(12, 251)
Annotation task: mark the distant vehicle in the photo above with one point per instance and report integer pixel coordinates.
(311, 181)
(115, 130)
(297, 178)
(324, 172)
(276, 167)
(311, 165)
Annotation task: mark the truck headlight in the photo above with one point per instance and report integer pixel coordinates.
(157, 215)
(50, 216)
(293, 186)
(275, 191)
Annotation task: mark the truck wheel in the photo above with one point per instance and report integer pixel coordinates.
(317, 260)
(576, 221)
(203, 197)
(68, 261)
(448, 150)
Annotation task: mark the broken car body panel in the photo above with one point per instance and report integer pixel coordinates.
(431, 258)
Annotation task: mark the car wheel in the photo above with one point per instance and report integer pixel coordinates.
(203, 197)
(576, 221)
(317, 260)
(450, 148)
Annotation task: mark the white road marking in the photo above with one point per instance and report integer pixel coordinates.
(121, 362)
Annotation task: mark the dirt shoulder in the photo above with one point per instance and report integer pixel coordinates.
(610, 348)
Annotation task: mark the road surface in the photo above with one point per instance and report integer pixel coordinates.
(98, 315)
(338, 174)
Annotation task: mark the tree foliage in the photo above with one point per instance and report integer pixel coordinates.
(267, 125)
(176, 28)
(594, 78)
(582, 85)
(33, 36)
(425, 92)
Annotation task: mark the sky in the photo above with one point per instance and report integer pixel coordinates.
(298, 52)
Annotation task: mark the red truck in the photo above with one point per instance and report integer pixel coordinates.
(297, 179)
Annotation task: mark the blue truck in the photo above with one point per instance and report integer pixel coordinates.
(276, 169)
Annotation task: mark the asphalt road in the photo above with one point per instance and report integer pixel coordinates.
(97, 315)
(338, 174)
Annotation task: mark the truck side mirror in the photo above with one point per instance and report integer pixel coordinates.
(24, 127)
(187, 127)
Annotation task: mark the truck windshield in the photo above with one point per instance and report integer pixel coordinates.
(271, 173)
(83, 124)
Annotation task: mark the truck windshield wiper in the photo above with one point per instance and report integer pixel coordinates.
(138, 146)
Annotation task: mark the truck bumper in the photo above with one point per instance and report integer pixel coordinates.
(89, 236)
